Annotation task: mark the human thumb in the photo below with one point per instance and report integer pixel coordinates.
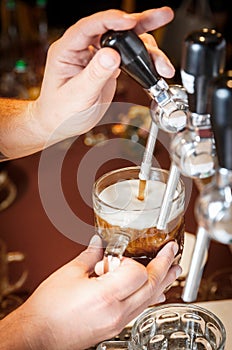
(108, 60)
(100, 69)
(90, 256)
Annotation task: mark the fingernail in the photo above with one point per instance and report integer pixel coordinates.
(166, 68)
(95, 241)
(175, 248)
(178, 270)
(161, 299)
(99, 268)
(107, 61)
(169, 246)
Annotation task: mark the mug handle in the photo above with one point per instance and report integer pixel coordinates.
(114, 251)
(16, 257)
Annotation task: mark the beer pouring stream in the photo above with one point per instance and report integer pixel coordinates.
(169, 114)
(214, 205)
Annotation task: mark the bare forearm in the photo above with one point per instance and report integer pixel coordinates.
(20, 131)
(12, 333)
(22, 330)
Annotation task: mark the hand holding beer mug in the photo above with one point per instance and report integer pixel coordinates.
(128, 224)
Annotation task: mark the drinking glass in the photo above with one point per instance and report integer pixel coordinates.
(174, 327)
(128, 225)
(178, 327)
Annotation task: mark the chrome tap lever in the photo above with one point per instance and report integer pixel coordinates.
(137, 63)
(193, 280)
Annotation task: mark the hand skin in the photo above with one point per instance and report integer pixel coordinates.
(74, 309)
(78, 84)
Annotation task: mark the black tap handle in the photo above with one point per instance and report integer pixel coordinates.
(220, 108)
(135, 59)
(203, 58)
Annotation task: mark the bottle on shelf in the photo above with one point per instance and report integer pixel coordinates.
(22, 82)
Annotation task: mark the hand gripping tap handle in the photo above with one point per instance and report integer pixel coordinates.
(135, 60)
(137, 63)
(220, 108)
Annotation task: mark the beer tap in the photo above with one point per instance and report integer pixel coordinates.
(214, 205)
(192, 149)
(168, 108)
(168, 111)
(203, 58)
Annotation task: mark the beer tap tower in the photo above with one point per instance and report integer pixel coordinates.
(192, 149)
(214, 205)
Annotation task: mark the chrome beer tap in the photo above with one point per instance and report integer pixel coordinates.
(168, 111)
(192, 149)
(214, 205)
(203, 58)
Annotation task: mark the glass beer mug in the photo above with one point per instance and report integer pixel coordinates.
(122, 218)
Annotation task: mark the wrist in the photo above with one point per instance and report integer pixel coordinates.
(20, 131)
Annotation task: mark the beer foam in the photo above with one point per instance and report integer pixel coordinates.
(124, 209)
